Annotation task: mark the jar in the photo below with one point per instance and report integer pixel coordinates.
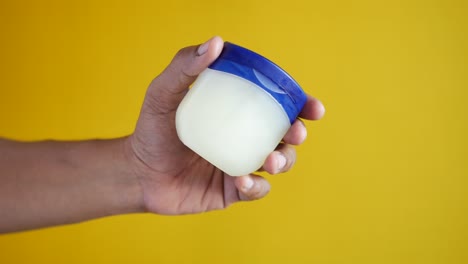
(238, 110)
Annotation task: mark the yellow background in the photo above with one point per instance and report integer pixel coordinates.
(381, 179)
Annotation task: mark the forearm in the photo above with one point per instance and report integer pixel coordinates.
(51, 183)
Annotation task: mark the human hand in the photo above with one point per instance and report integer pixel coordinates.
(174, 179)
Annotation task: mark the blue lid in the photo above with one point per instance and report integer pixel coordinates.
(253, 67)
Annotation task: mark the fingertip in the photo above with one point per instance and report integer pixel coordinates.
(270, 164)
(313, 109)
(296, 134)
(214, 46)
(281, 160)
(218, 42)
(252, 187)
(302, 131)
(321, 109)
(278, 162)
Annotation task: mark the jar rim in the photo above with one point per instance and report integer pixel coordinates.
(252, 66)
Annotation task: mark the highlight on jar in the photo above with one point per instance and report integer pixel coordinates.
(238, 110)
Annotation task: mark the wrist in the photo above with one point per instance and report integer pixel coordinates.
(128, 192)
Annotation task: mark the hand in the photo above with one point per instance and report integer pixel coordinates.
(173, 178)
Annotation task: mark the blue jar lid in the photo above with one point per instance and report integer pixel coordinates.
(253, 67)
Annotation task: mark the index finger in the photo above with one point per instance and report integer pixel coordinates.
(313, 109)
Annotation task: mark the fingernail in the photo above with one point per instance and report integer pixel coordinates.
(203, 48)
(248, 183)
(281, 162)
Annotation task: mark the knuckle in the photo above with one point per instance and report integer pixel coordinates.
(181, 52)
(289, 152)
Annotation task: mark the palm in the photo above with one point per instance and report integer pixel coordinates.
(175, 175)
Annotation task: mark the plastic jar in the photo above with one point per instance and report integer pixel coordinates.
(238, 110)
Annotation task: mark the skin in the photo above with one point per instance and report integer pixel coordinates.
(53, 183)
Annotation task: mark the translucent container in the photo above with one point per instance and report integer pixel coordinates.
(238, 110)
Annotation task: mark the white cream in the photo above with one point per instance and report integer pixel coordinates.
(230, 122)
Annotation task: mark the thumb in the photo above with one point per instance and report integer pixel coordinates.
(168, 89)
